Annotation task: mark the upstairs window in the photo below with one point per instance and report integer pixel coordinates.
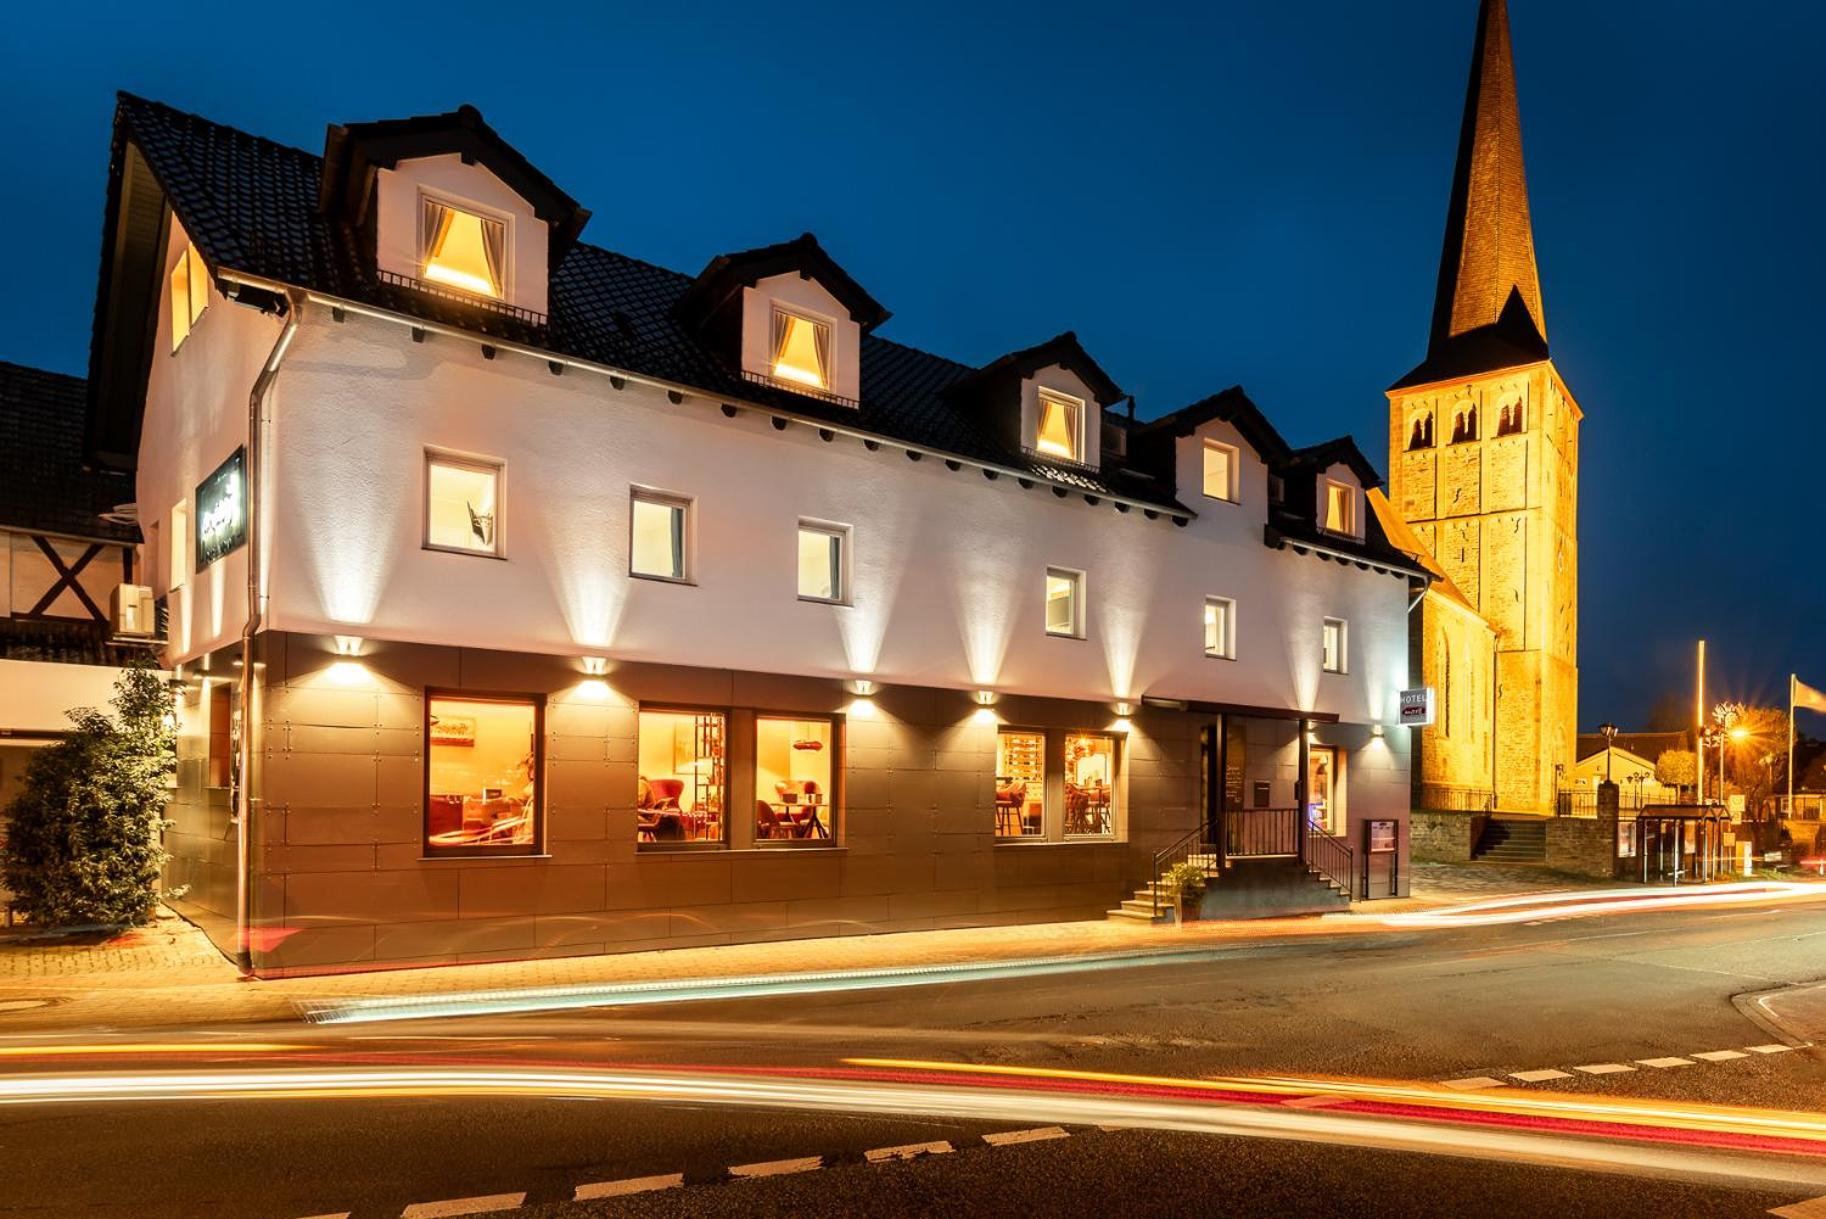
(1340, 508)
(461, 249)
(801, 350)
(179, 546)
(1220, 626)
(657, 546)
(189, 294)
(1220, 471)
(1064, 602)
(462, 504)
(821, 561)
(1061, 426)
(1334, 641)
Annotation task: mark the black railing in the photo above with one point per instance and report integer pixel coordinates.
(797, 387)
(1191, 846)
(1332, 858)
(1254, 832)
(396, 280)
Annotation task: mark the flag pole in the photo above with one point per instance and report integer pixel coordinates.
(1699, 732)
(1788, 809)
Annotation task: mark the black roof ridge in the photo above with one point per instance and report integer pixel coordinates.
(43, 372)
(122, 95)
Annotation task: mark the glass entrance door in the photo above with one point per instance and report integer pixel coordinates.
(1322, 807)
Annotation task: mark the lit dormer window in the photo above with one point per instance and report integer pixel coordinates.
(1340, 508)
(1061, 426)
(189, 293)
(462, 249)
(802, 350)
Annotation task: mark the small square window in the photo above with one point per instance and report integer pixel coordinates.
(1335, 644)
(461, 249)
(801, 350)
(659, 536)
(1220, 471)
(1340, 507)
(462, 504)
(1064, 602)
(822, 562)
(1220, 626)
(1059, 431)
(189, 294)
(482, 755)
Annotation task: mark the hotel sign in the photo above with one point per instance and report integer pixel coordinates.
(222, 510)
(1417, 707)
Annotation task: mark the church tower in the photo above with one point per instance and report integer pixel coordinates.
(1483, 467)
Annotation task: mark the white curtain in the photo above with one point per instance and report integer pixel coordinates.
(494, 248)
(434, 223)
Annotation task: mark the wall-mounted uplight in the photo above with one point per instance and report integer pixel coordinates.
(1123, 707)
(984, 698)
(1375, 729)
(595, 666)
(348, 645)
(861, 687)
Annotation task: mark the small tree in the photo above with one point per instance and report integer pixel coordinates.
(83, 845)
(1677, 768)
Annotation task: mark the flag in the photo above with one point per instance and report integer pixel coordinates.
(1806, 698)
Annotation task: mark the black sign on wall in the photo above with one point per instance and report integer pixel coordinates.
(221, 512)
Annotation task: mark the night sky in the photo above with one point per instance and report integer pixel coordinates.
(1245, 191)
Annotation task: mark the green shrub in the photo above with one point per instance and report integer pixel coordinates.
(1184, 880)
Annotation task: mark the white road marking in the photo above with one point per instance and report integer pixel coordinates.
(1039, 1134)
(906, 1151)
(1604, 1068)
(1665, 1063)
(776, 1168)
(1813, 1208)
(628, 1185)
(1535, 1077)
(464, 1206)
(1768, 1049)
(1720, 1055)
(1472, 1084)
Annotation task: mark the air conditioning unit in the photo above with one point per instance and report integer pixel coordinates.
(131, 612)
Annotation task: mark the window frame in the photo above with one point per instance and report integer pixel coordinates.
(778, 308)
(1118, 745)
(1046, 779)
(1233, 493)
(1079, 616)
(1080, 440)
(1343, 666)
(475, 464)
(687, 505)
(842, 535)
(535, 848)
(834, 805)
(453, 202)
(1227, 645)
(177, 546)
(727, 841)
(1350, 508)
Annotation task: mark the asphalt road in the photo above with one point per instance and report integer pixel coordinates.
(1404, 1005)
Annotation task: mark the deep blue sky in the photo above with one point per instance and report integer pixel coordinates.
(1241, 191)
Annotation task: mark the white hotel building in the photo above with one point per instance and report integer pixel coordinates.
(530, 599)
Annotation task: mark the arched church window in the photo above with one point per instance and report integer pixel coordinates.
(1511, 421)
(1422, 435)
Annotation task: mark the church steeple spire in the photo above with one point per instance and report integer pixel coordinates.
(1489, 288)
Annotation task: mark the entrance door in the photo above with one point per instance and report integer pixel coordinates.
(1324, 804)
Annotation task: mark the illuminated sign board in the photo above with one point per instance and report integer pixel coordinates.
(1417, 707)
(221, 514)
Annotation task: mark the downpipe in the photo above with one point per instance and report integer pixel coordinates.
(257, 400)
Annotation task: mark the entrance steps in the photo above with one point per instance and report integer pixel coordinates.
(1271, 887)
(1515, 839)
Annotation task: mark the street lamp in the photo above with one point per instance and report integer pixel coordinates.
(1609, 732)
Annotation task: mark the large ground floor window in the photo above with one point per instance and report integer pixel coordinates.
(795, 768)
(482, 774)
(1090, 784)
(1020, 784)
(684, 777)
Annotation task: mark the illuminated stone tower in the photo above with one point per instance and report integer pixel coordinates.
(1484, 464)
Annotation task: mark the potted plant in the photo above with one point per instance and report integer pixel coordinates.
(1186, 882)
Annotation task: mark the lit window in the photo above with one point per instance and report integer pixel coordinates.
(1340, 507)
(1220, 616)
(1061, 426)
(1064, 602)
(1090, 784)
(1020, 784)
(684, 777)
(179, 546)
(461, 249)
(482, 774)
(821, 561)
(189, 293)
(1335, 643)
(794, 761)
(462, 504)
(658, 539)
(1220, 470)
(802, 350)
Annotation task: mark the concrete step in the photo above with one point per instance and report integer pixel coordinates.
(1136, 917)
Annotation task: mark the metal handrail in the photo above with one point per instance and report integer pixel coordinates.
(1163, 859)
(1253, 833)
(1331, 857)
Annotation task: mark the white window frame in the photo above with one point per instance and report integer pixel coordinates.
(1081, 445)
(687, 533)
(1343, 665)
(1226, 647)
(770, 356)
(1233, 493)
(1078, 613)
(463, 461)
(177, 546)
(475, 209)
(1350, 508)
(842, 534)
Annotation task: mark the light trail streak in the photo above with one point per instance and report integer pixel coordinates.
(1089, 1102)
(147, 1047)
(1536, 906)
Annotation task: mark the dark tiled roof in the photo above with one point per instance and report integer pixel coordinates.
(1649, 746)
(252, 205)
(44, 486)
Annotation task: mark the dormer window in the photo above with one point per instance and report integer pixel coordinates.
(801, 350)
(1061, 426)
(462, 249)
(1340, 508)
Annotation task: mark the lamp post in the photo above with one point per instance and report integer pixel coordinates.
(1609, 731)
